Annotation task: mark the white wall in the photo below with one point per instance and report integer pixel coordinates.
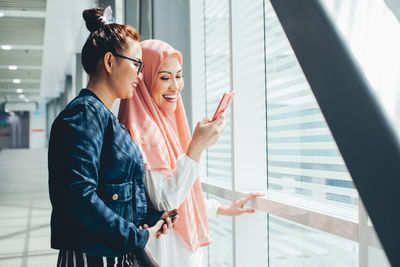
(37, 127)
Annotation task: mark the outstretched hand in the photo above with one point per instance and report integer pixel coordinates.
(237, 208)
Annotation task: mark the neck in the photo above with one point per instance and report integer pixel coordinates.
(102, 90)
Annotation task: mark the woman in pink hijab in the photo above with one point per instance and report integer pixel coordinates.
(156, 119)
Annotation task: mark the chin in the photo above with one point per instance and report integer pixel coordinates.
(169, 109)
(127, 95)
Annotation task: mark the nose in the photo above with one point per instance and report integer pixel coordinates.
(140, 76)
(174, 84)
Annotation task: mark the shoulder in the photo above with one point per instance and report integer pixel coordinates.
(86, 111)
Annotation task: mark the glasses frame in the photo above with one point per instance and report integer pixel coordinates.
(141, 64)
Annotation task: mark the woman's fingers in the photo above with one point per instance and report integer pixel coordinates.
(164, 229)
(204, 121)
(216, 127)
(205, 134)
(219, 120)
(158, 225)
(247, 210)
(250, 196)
(154, 230)
(168, 223)
(221, 127)
(172, 212)
(175, 219)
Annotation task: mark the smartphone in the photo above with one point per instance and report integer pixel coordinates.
(223, 104)
(171, 216)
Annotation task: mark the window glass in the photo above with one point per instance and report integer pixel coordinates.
(303, 159)
(219, 165)
(372, 33)
(219, 253)
(291, 244)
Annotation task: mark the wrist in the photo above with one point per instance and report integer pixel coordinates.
(194, 153)
(147, 237)
(222, 210)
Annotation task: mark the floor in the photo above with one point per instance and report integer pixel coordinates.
(24, 209)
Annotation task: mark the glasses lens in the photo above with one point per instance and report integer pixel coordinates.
(141, 67)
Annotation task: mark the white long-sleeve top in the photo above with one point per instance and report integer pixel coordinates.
(167, 193)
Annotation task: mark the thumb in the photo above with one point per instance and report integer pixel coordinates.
(205, 120)
(219, 120)
(159, 224)
(247, 210)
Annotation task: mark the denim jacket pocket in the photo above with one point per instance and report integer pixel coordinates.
(118, 197)
(117, 192)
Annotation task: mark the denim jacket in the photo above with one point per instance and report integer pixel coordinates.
(96, 182)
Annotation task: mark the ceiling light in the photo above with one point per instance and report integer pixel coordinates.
(21, 96)
(19, 91)
(12, 67)
(1, 14)
(16, 81)
(6, 47)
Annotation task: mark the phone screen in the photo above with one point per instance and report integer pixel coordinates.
(223, 104)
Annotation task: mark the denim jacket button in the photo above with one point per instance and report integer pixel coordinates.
(115, 196)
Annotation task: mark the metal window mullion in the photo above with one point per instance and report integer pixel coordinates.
(362, 234)
(198, 73)
(247, 75)
(234, 224)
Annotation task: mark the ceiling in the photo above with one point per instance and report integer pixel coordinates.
(22, 28)
(44, 36)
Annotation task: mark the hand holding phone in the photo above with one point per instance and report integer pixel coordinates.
(223, 104)
(173, 215)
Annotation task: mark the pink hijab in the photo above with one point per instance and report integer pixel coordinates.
(162, 137)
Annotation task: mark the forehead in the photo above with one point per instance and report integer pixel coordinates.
(172, 63)
(134, 50)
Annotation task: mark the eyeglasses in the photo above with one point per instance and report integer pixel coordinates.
(137, 61)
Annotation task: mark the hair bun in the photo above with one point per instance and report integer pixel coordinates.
(92, 18)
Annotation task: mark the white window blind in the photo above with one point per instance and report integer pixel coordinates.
(220, 250)
(307, 180)
(217, 67)
(296, 245)
(219, 156)
(303, 161)
(372, 34)
(303, 158)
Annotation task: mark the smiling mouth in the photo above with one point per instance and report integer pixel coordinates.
(170, 98)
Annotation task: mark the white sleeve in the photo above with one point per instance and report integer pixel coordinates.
(212, 207)
(166, 192)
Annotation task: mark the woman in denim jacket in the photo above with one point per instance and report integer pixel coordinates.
(96, 172)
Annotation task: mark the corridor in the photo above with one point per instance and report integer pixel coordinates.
(24, 209)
